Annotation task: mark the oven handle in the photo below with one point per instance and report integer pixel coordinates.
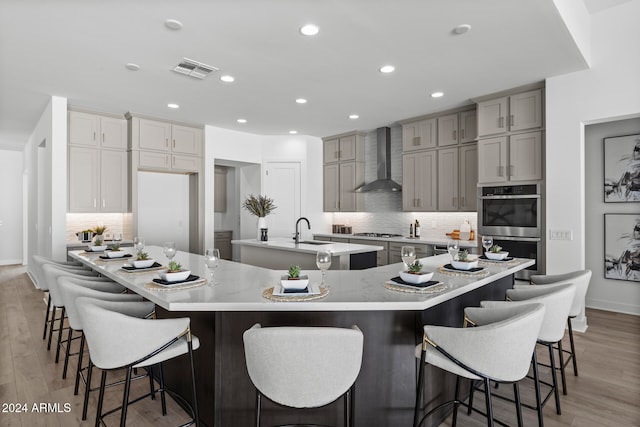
(518, 239)
(527, 196)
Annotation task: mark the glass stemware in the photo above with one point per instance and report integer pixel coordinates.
(169, 250)
(212, 260)
(117, 238)
(408, 255)
(138, 243)
(487, 242)
(323, 261)
(453, 248)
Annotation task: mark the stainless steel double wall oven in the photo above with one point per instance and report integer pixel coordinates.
(512, 214)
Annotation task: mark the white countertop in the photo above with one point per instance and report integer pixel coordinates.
(240, 286)
(282, 243)
(425, 240)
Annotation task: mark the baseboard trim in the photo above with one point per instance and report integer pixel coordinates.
(613, 306)
(17, 261)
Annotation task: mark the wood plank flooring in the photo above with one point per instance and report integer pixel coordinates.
(607, 392)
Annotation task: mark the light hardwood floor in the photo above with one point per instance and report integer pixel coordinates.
(607, 392)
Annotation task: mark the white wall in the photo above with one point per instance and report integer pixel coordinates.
(609, 90)
(11, 223)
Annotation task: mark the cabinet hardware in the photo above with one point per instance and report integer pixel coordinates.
(339, 154)
(174, 144)
(103, 137)
(416, 140)
(95, 203)
(94, 136)
(103, 204)
(511, 120)
(166, 142)
(462, 201)
(462, 133)
(454, 135)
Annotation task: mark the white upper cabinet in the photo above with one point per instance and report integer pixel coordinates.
(154, 135)
(468, 126)
(186, 140)
(419, 135)
(97, 131)
(512, 113)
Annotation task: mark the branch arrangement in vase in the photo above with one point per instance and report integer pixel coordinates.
(259, 206)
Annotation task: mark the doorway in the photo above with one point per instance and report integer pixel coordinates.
(282, 184)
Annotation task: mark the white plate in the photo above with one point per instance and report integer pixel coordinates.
(146, 263)
(496, 256)
(116, 254)
(175, 276)
(416, 278)
(301, 283)
(464, 265)
(313, 289)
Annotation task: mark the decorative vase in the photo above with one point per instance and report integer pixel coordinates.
(262, 229)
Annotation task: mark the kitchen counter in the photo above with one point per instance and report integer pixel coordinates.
(279, 253)
(425, 240)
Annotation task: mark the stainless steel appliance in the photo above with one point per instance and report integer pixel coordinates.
(512, 214)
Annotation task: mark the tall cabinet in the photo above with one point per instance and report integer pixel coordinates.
(97, 163)
(343, 172)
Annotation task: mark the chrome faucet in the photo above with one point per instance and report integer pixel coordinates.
(297, 236)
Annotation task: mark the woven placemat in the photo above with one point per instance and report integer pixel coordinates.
(443, 270)
(152, 286)
(400, 288)
(268, 294)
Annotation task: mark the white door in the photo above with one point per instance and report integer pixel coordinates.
(282, 184)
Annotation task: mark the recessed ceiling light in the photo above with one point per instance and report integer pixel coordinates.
(174, 106)
(173, 24)
(309, 30)
(242, 120)
(131, 66)
(301, 101)
(293, 132)
(437, 94)
(387, 69)
(354, 116)
(461, 29)
(227, 79)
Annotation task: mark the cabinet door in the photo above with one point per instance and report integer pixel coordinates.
(468, 126)
(186, 140)
(525, 110)
(492, 159)
(351, 177)
(492, 116)
(448, 130)
(409, 167)
(84, 168)
(113, 133)
(525, 157)
(427, 181)
(154, 160)
(84, 129)
(448, 179)
(154, 135)
(468, 156)
(419, 135)
(347, 150)
(185, 163)
(331, 187)
(113, 181)
(331, 148)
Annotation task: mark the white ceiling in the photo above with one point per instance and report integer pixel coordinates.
(78, 49)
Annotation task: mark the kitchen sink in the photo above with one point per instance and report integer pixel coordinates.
(312, 242)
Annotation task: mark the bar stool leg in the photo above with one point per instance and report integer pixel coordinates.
(51, 325)
(416, 410)
(196, 414)
(79, 367)
(87, 387)
(103, 380)
(162, 395)
(536, 380)
(456, 401)
(564, 378)
(125, 398)
(573, 348)
(554, 377)
(471, 391)
(60, 335)
(46, 316)
(258, 408)
(66, 353)
(516, 394)
(487, 389)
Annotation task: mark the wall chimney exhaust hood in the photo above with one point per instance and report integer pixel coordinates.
(384, 183)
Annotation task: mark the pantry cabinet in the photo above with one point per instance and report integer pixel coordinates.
(510, 158)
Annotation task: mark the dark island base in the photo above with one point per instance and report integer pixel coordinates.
(385, 389)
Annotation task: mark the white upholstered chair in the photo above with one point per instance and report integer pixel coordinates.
(334, 353)
(557, 301)
(146, 343)
(498, 349)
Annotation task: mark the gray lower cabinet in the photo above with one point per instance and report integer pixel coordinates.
(422, 250)
(222, 241)
(382, 256)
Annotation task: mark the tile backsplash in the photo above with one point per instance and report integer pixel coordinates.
(115, 223)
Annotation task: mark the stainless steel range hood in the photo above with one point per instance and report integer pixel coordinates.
(384, 183)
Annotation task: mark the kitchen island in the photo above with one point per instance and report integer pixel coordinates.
(391, 322)
(280, 253)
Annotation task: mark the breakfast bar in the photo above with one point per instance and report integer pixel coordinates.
(240, 295)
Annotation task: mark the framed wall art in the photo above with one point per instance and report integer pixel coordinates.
(622, 247)
(622, 169)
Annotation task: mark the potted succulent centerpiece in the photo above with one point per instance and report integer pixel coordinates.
(415, 273)
(142, 260)
(175, 272)
(260, 206)
(496, 253)
(98, 240)
(115, 251)
(464, 262)
(293, 280)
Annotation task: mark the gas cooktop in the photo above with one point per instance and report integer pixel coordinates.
(382, 235)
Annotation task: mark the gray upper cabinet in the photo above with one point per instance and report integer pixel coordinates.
(348, 147)
(343, 172)
(468, 126)
(448, 179)
(516, 157)
(448, 130)
(468, 176)
(419, 135)
(514, 113)
(419, 181)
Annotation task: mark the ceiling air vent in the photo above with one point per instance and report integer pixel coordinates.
(193, 68)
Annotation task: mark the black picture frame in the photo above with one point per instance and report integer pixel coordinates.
(622, 247)
(622, 169)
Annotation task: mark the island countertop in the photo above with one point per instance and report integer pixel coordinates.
(239, 287)
(337, 249)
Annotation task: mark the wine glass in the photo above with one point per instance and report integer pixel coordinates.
(169, 250)
(138, 243)
(408, 255)
(117, 238)
(487, 242)
(212, 260)
(323, 261)
(453, 248)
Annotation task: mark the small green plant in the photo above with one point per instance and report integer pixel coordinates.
(416, 267)
(174, 266)
(115, 247)
(98, 240)
(495, 249)
(463, 256)
(100, 229)
(141, 256)
(294, 272)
